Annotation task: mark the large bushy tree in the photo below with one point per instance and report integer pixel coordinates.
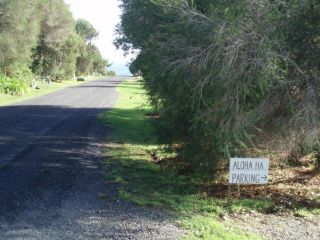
(19, 29)
(57, 26)
(226, 74)
(90, 60)
(86, 30)
(42, 36)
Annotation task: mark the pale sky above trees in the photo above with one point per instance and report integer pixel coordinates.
(103, 15)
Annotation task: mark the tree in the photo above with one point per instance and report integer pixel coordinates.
(68, 54)
(112, 73)
(43, 36)
(225, 74)
(86, 30)
(90, 60)
(99, 64)
(57, 28)
(19, 24)
(134, 68)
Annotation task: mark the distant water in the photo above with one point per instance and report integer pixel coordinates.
(120, 69)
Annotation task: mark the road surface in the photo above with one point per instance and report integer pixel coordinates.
(51, 176)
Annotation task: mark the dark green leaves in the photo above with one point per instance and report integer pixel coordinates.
(223, 73)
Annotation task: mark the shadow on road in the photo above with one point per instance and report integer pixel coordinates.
(51, 178)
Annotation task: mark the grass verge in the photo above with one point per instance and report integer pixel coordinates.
(144, 182)
(6, 99)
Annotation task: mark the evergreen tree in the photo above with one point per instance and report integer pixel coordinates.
(19, 29)
(225, 74)
(90, 60)
(57, 26)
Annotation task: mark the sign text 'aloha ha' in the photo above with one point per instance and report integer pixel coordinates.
(248, 170)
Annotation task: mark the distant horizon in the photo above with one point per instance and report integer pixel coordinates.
(104, 16)
(120, 69)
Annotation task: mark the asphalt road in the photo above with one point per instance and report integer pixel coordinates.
(51, 173)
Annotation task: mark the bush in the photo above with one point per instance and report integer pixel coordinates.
(11, 86)
(17, 81)
(112, 73)
(223, 73)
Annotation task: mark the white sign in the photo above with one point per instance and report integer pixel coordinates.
(248, 171)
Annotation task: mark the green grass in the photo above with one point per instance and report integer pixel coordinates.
(144, 182)
(305, 212)
(44, 89)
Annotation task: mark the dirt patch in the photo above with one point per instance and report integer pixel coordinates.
(289, 187)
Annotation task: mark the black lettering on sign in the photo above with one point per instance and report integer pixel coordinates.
(246, 178)
(243, 165)
(235, 165)
(259, 165)
(257, 178)
(234, 176)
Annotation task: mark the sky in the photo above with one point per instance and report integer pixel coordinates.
(103, 15)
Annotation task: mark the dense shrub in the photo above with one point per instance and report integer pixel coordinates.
(223, 74)
(112, 73)
(17, 81)
(12, 86)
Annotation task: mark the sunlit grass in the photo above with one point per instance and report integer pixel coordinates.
(144, 182)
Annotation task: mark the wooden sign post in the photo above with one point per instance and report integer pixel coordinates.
(248, 171)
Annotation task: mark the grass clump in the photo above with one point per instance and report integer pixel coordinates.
(143, 181)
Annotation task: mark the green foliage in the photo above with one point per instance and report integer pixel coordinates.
(99, 64)
(144, 182)
(19, 24)
(85, 30)
(84, 64)
(44, 36)
(56, 42)
(17, 82)
(134, 69)
(90, 60)
(223, 73)
(68, 54)
(112, 73)
(11, 86)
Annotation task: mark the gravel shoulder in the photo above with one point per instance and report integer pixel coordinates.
(278, 226)
(51, 176)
